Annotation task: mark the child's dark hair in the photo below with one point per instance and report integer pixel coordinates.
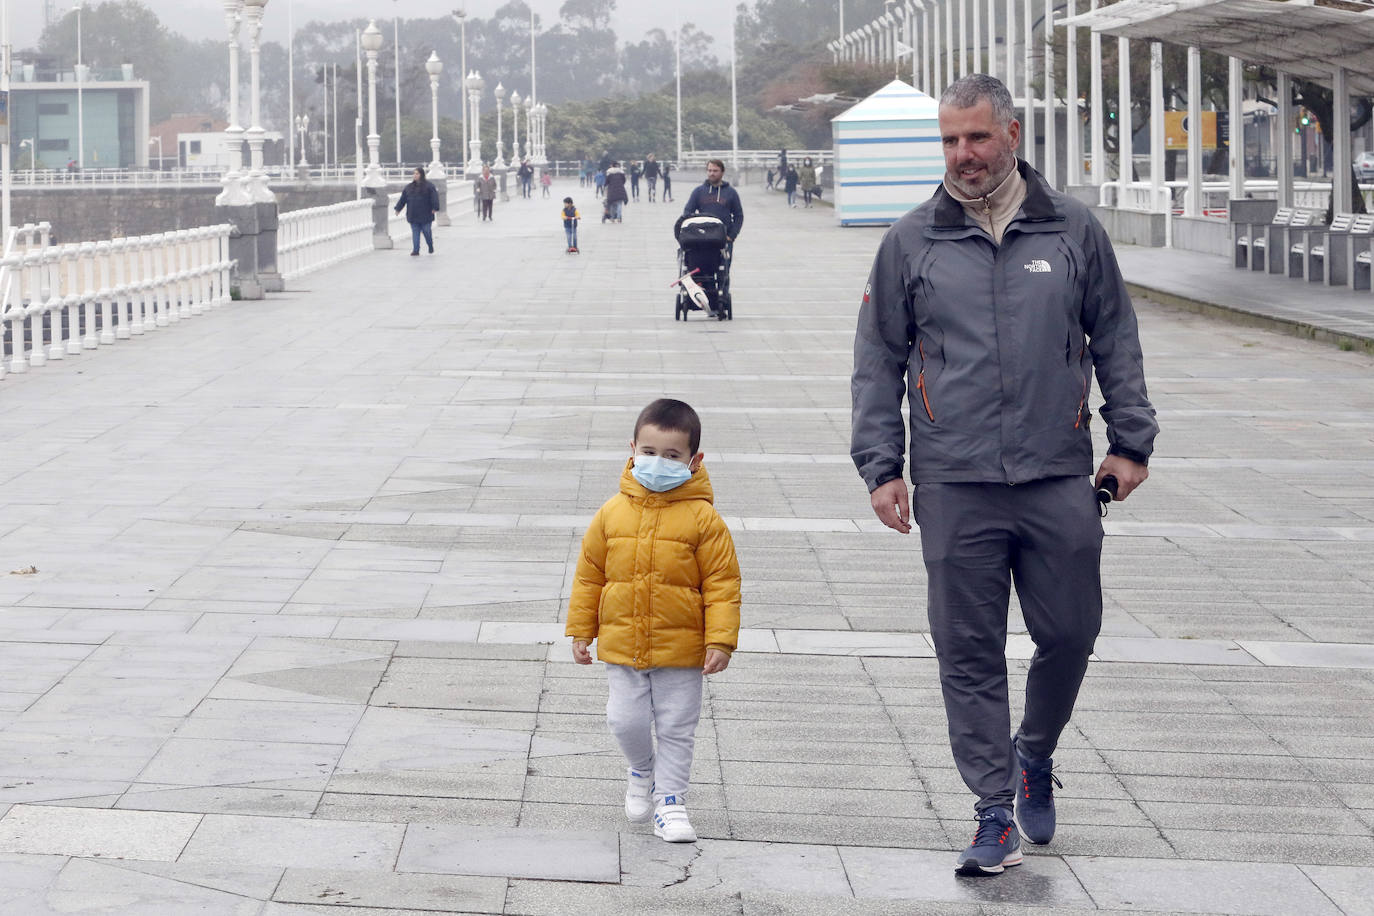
(673, 416)
(567, 200)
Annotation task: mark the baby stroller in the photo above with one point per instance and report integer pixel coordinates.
(703, 260)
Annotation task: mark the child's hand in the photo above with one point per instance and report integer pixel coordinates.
(581, 654)
(716, 661)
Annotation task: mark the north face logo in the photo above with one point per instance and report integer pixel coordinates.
(1038, 266)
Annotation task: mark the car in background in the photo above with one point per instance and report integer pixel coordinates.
(1364, 166)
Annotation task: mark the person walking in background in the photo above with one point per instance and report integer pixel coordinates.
(616, 196)
(599, 179)
(651, 175)
(486, 192)
(570, 220)
(806, 176)
(789, 184)
(667, 181)
(420, 200)
(526, 175)
(990, 307)
(545, 180)
(635, 172)
(657, 588)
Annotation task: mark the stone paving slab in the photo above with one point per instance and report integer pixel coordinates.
(311, 611)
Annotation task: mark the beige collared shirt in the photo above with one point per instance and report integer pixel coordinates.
(995, 211)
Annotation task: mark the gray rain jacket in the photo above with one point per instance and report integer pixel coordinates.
(995, 346)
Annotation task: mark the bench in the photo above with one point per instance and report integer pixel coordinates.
(1284, 239)
(1250, 246)
(1358, 247)
(1312, 251)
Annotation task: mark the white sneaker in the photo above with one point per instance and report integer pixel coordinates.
(671, 823)
(639, 797)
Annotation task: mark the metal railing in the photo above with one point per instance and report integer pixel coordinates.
(58, 301)
(191, 176)
(320, 237)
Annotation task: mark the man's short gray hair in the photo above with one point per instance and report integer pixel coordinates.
(968, 91)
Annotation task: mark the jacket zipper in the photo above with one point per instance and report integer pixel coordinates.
(1078, 416)
(921, 380)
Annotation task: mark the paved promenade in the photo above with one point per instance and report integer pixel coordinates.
(283, 633)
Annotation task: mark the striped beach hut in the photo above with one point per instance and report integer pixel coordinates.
(887, 155)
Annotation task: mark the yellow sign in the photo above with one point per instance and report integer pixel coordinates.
(1176, 130)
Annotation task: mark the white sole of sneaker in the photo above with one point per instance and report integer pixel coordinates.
(677, 839)
(973, 869)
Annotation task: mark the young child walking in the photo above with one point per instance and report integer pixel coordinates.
(658, 589)
(570, 220)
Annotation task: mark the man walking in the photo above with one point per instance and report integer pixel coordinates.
(651, 175)
(991, 305)
(715, 197)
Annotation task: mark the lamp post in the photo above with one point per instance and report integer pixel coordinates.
(461, 16)
(500, 93)
(372, 43)
(515, 125)
(474, 84)
(435, 67)
(541, 117)
(234, 193)
(80, 82)
(396, 39)
(257, 179)
(303, 128)
(33, 156)
(158, 141)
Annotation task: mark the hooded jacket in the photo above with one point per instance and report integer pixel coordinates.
(995, 347)
(720, 201)
(615, 185)
(657, 582)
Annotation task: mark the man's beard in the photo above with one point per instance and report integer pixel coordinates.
(987, 181)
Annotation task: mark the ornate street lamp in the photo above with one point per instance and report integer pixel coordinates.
(257, 179)
(303, 128)
(500, 92)
(435, 67)
(515, 126)
(461, 16)
(372, 43)
(234, 193)
(474, 84)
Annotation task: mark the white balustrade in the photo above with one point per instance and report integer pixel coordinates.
(320, 237)
(56, 301)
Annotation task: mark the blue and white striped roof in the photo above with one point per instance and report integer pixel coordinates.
(888, 157)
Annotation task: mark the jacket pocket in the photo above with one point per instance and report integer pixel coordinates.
(921, 381)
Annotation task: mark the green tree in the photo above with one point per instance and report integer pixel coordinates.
(113, 33)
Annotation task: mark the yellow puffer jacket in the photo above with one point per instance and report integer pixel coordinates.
(657, 583)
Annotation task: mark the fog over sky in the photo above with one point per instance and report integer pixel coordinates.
(205, 18)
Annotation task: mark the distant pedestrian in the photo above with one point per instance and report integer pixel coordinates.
(570, 220)
(420, 199)
(526, 176)
(486, 192)
(657, 588)
(545, 180)
(789, 184)
(771, 177)
(651, 172)
(635, 172)
(667, 181)
(616, 195)
(599, 179)
(807, 177)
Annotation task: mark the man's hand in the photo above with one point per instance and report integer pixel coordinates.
(1128, 474)
(716, 661)
(892, 506)
(581, 654)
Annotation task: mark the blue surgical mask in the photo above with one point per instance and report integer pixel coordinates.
(660, 474)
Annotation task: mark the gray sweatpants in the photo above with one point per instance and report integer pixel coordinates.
(662, 702)
(979, 539)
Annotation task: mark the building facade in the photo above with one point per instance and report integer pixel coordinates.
(53, 110)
